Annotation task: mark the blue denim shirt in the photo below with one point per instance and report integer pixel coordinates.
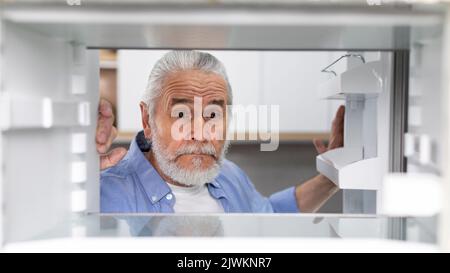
(134, 186)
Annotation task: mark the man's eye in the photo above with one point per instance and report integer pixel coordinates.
(212, 114)
(180, 112)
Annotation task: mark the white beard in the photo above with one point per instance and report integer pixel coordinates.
(194, 177)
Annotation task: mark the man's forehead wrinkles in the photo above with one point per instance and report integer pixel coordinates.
(193, 78)
(195, 85)
(193, 88)
(190, 93)
(190, 84)
(178, 79)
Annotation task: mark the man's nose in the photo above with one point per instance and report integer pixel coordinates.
(197, 128)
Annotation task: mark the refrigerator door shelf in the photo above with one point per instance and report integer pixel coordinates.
(365, 79)
(346, 168)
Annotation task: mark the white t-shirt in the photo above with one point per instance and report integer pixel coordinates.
(195, 199)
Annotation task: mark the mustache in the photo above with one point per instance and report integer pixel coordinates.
(207, 149)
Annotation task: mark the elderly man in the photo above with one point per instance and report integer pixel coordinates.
(172, 170)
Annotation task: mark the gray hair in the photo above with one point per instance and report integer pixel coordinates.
(181, 60)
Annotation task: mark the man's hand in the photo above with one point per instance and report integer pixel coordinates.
(337, 133)
(312, 194)
(105, 134)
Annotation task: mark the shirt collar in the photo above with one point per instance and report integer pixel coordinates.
(214, 183)
(154, 186)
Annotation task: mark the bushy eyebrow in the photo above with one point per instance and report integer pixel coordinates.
(221, 103)
(174, 101)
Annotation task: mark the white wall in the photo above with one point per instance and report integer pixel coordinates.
(288, 78)
(133, 67)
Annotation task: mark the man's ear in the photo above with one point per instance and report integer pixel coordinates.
(145, 120)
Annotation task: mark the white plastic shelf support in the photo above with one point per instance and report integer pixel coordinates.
(35, 112)
(365, 79)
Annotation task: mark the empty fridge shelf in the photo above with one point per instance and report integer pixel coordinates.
(346, 168)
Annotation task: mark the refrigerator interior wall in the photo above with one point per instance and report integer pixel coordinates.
(424, 151)
(47, 131)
